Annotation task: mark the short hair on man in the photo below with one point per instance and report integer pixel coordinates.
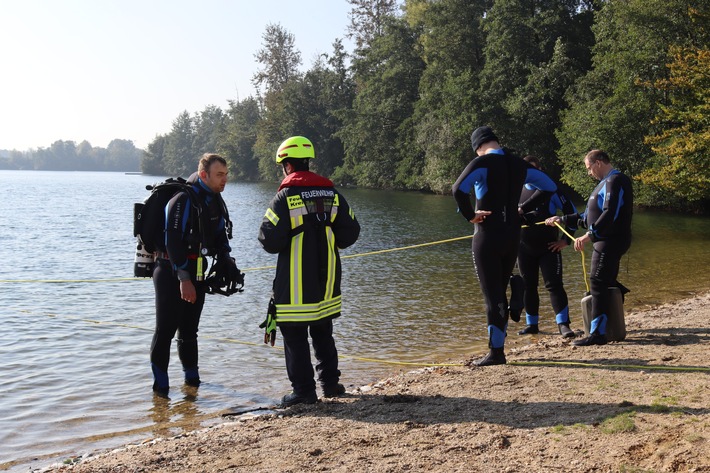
(534, 160)
(208, 159)
(298, 164)
(597, 155)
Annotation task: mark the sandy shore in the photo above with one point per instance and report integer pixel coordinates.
(641, 405)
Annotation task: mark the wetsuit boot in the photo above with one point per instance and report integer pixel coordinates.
(531, 329)
(495, 357)
(161, 385)
(192, 376)
(594, 338)
(597, 335)
(565, 331)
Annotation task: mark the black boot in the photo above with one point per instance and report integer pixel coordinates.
(495, 357)
(593, 339)
(194, 382)
(161, 391)
(334, 390)
(293, 398)
(530, 330)
(565, 331)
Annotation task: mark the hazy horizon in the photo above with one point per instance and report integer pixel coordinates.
(97, 71)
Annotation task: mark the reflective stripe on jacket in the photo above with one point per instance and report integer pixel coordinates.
(306, 226)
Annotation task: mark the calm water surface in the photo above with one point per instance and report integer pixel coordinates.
(77, 327)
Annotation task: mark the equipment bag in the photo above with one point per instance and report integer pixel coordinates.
(615, 320)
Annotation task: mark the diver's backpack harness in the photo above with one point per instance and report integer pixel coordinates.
(149, 221)
(149, 230)
(149, 215)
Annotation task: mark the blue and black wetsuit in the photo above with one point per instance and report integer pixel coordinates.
(536, 257)
(185, 234)
(497, 179)
(608, 219)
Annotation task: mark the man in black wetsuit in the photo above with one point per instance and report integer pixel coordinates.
(497, 176)
(540, 252)
(608, 220)
(193, 230)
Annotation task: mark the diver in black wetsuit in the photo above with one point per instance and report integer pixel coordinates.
(540, 252)
(608, 220)
(497, 176)
(193, 230)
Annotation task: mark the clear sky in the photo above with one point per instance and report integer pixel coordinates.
(97, 70)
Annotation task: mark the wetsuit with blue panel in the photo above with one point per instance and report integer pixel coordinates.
(535, 256)
(497, 179)
(608, 220)
(194, 228)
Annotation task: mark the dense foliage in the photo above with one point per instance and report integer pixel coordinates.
(681, 148)
(619, 104)
(555, 78)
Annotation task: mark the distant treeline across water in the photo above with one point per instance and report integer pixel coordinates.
(120, 155)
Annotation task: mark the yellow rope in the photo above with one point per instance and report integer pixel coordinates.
(260, 268)
(358, 358)
(584, 265)
(407, 247)
(536, 223)
(411, 363)
(245, 270)
(403, 363)
(137, 327)
(63, 281)
(612, 366)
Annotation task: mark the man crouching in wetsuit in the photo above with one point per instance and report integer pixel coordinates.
(497, 176)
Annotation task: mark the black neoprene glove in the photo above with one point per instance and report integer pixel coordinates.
(235, 278)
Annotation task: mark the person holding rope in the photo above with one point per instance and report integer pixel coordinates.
(307, 222)
(540, 251)
(497, 176)
(608, 221)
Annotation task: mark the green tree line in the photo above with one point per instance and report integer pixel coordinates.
(120, 155)
(554, 78)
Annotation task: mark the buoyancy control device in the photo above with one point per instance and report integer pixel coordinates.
(149, 222)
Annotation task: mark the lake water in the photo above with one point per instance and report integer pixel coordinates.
(77, 326)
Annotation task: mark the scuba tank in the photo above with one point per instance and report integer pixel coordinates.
(144, 262)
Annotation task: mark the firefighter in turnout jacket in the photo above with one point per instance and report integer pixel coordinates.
(307, 222)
